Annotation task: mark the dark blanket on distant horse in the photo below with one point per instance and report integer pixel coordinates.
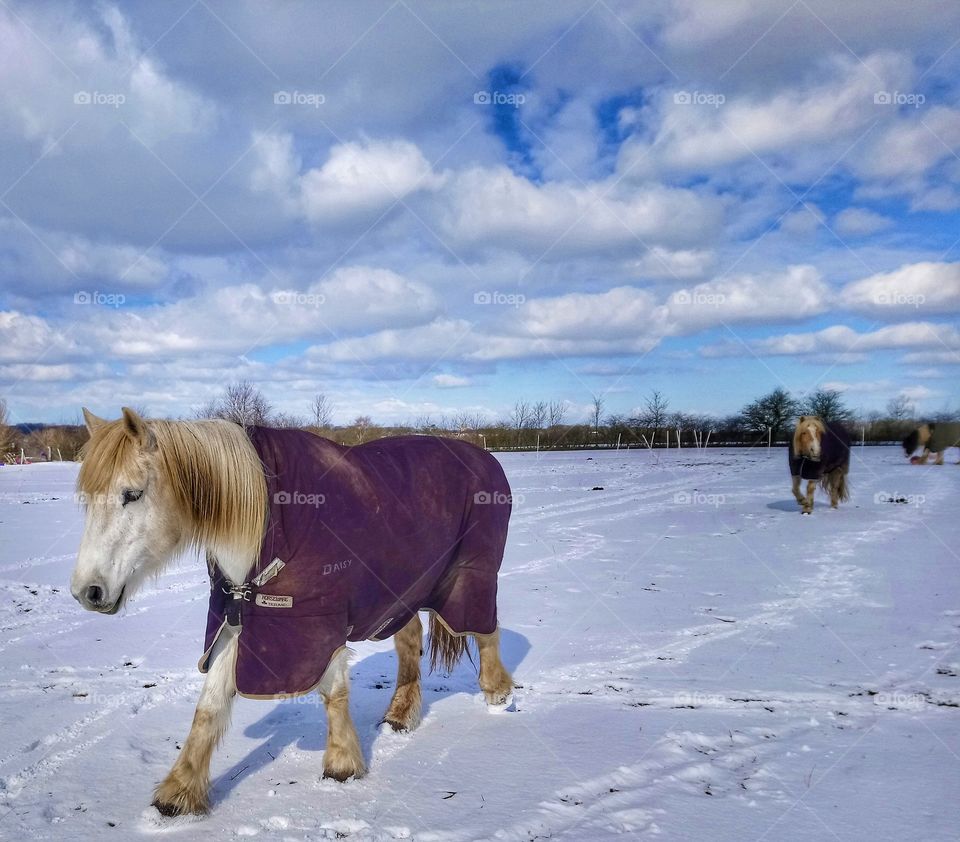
(834, 453)
(368, 535)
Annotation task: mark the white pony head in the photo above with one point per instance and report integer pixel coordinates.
(807, 437)
(151, 489)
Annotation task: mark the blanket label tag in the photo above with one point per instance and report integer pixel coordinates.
(268, 600)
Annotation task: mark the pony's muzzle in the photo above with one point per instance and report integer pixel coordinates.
(94, 598)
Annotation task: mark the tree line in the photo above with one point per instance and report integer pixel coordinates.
(546, 425)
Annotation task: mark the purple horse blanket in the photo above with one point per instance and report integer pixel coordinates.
(358, 539)
(834, 453)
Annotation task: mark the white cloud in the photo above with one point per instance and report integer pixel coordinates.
(682, 264)
(794, 294)
(920, 393)
(857, 222)
(840, 338)
(122, 266)
(622, 311)
(914, 144)
(276, 169)
(40, 82)
(912, 289)
(27, 339)
(804, 221)
(494, 207)
(228, 319)
(450, 381)
(700, 137)
(442, 338)
(38, 373)
(364, 179)
(945, 357)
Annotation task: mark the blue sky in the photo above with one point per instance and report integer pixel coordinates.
(425, 208)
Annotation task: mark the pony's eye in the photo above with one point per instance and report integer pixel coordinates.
(131, 496)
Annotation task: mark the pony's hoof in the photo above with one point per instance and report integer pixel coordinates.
(343, 775)
(402, 720)
(181, 798)
(505, 705)
(499, 696)
(171, 809)
(343, 765)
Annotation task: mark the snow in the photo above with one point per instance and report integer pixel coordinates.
(694, 660)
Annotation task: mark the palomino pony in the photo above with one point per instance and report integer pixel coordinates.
(820, 451)
(309, 545)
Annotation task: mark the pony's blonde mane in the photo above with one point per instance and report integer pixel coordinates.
(801, 424)
(213, 471)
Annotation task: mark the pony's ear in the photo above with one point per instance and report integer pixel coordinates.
(803, 419)
(135, 427)
(92, 421)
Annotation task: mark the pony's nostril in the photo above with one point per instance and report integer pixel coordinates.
(94, 594)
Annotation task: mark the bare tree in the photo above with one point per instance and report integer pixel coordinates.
(828, 405)
(520, 417)
(900, 408)
(773, 411)
(556, 412)
(243, 403)
(655, 407)
(596, 413)
(321, 412)
(466, 422)
(362, 425)
(286, 419)
(6, 435)
(538, 415)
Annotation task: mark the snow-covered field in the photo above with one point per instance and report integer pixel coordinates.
(696, 660)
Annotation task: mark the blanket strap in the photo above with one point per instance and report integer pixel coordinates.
(244, 593)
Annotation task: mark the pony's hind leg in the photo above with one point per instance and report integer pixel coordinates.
(186, 787)
(837, 486)
(404, 711)
(495, 681)
(343, 757)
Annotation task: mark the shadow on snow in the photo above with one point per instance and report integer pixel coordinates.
(299, 722)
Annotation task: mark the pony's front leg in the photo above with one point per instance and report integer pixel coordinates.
(186, 788)
(939, 459)
(796, 489)
(808, 500)
(495, 681)
(404, 711)
(343, 757)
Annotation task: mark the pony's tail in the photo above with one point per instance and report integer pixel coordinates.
(837, 478)
(843, 486)
(446, 648)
